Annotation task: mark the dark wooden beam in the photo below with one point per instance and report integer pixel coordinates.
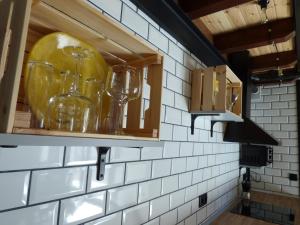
(198, 8)
(271, 77)
(255, 36)
(267, 62)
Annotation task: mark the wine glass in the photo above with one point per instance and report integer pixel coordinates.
(71, 111)
(123, 84)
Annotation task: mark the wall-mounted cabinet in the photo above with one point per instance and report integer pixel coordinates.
(216, 92)
(25, 22)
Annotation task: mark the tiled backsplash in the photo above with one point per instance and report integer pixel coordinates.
(275, 110)
(151, 186)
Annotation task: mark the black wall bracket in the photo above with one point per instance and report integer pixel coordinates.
(212, 122)
(102, 152)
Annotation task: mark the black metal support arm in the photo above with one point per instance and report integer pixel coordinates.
(102, 152)
(212, 122)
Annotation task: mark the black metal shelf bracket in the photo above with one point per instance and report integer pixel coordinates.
(212, 123)
(102, 152)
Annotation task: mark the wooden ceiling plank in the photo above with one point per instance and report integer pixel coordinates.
(255, 36)
(197, 9)
(272, 61)
(203, 28)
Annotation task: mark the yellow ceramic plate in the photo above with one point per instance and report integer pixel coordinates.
(49, 49)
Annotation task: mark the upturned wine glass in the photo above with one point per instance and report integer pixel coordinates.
(123, 84)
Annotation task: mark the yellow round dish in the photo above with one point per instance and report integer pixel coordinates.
(49, 49)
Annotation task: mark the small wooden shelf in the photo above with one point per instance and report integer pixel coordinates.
(213, 90)
(26, 22)
(50, 140)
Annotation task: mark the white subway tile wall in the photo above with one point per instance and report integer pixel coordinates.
(276, 112)
(150, 186)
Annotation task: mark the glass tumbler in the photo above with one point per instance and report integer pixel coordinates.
(93, 89)
(39, 87)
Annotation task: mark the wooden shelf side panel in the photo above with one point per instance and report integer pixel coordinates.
(197, 83)
(152, 114)
(11, 78)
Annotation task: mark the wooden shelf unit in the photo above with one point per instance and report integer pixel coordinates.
(208, 102)
(24, 22)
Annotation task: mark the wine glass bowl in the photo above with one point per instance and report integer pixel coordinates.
(124, 83)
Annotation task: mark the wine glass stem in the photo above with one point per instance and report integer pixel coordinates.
(117, 116)
(77, 73)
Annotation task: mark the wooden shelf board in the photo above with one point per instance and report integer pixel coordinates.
(221, 115)
(25, 137)
(43, 132)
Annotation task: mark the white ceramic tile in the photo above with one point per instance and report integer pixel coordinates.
(175, 52)
(166, 132)
(202, 188)
(114, 176)
(161, 168)
(192, 220)
(149, 190)
(195, 205)
(186, 149)
(138, 171)
(153, 222)
(112, 7)
(207, 173)
(158, 39)
(68, 182)
(201, 215)
(182, 72)
(169, 184)
(180, 133)
(198, 149)
(136, 215)
(185, 179)
(211, 160)
(197, 176)
(192, 163)
(134, 21)
(114, 219)
(81, 209)
(171, 149)
(169, 63)
(13, 189)
(159, 206)
(173, 116)
(80, 156)
(191, 192)
(170, 218)
(174, 84)
(45, 214)
(184, 211)
(29, 157)
(178, 165)
(119, 154)
(120, 198)
(177, 198)
(151, 153)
